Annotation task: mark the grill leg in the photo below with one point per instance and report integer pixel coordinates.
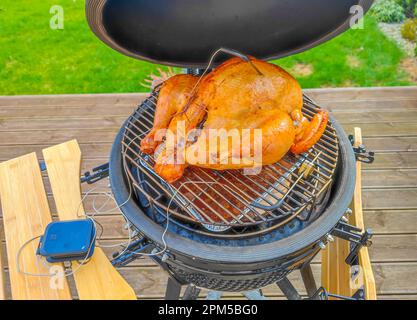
(173, 290)
(254, 295)
(191, 293)
(288, 289)
(214, 295)
(308, 279)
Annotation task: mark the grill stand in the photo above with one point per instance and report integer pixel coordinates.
(173, 290)
(288, 289)
(308, 279)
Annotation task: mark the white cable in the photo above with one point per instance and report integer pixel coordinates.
(67, 274)
(193, 90)
(168, 216)
(118, 207)
(98, 211)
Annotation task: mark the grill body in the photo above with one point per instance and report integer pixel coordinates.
(185, 34)
(235, 264)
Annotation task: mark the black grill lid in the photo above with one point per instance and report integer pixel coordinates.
(185, 33)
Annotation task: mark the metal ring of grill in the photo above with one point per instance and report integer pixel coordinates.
(229, 202)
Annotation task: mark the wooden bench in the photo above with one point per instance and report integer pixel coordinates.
(26, 213)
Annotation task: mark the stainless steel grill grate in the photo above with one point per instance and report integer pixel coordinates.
(221, 201)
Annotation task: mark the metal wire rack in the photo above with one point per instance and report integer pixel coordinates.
(221, 201)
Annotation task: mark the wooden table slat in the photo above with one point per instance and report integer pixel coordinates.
(26, 215)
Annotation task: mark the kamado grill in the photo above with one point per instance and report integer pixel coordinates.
(226, 230)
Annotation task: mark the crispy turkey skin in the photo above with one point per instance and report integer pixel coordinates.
(256, 99)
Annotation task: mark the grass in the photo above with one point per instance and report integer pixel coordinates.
(37, 60)
(356, 58)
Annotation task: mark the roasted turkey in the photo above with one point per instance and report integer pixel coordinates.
(239, 96)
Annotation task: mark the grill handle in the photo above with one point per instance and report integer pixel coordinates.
(361, 154)
(228, 51)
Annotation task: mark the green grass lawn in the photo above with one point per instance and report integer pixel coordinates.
(37, 60)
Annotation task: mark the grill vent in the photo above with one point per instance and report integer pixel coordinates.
(220, 283)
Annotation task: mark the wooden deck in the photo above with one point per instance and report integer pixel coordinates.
(387, 116)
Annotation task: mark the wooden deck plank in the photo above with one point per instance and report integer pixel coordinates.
(380, 179)
(392, 221)
(363, 116)
(101, 150)
(41, 112)
(360, 94)
(391, 144)
(70, 100)
(85, 136)
(106, 134)
(65, 123)
(374, 105)
(395, 160)
(390, 199)
(92, 150)
(334, 94)
(386, 129)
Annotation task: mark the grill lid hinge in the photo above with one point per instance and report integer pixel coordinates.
(356, 237)
(361, 154)
(97, 174)
(132, 252)
(323, 294)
